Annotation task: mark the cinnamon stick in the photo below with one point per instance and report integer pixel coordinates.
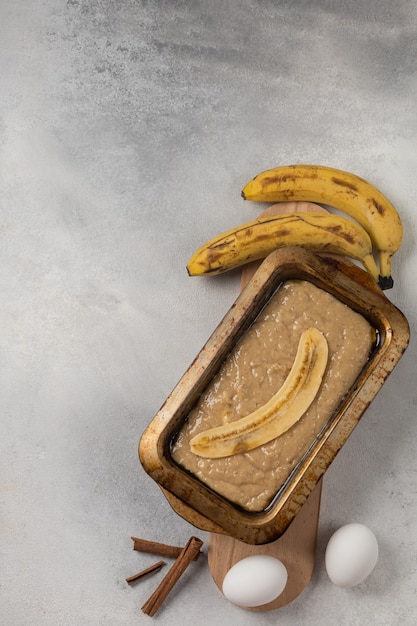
(153, 547)
(161, 549)
(149, 570)
(186, 556)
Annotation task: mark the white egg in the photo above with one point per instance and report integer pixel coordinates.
(255, 580)
(351, 555)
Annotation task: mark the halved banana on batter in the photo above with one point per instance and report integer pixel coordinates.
(277, 415)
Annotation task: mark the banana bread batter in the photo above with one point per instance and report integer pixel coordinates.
(255, 370)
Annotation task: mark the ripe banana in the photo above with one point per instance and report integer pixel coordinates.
(321, 232)
(341, 190)
(280, 413)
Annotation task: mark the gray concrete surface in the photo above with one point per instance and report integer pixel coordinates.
(127, 130)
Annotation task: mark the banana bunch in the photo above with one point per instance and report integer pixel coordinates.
(280, 413)
(341, 190)
(321, 232)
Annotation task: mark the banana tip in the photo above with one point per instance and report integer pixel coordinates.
(385, 282)
(242, 193)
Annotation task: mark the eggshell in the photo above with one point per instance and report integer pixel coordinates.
(351, 555)
(255, 580)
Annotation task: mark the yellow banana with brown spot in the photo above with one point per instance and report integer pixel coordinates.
(280, 413)
(320, 232)
(339, 189)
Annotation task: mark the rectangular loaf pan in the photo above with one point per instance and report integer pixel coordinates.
(196, 502)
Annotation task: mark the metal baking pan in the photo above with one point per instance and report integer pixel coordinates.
(193, 500)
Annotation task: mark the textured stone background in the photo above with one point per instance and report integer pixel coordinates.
(127, 130)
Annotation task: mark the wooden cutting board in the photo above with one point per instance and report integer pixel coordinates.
(296, 548)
